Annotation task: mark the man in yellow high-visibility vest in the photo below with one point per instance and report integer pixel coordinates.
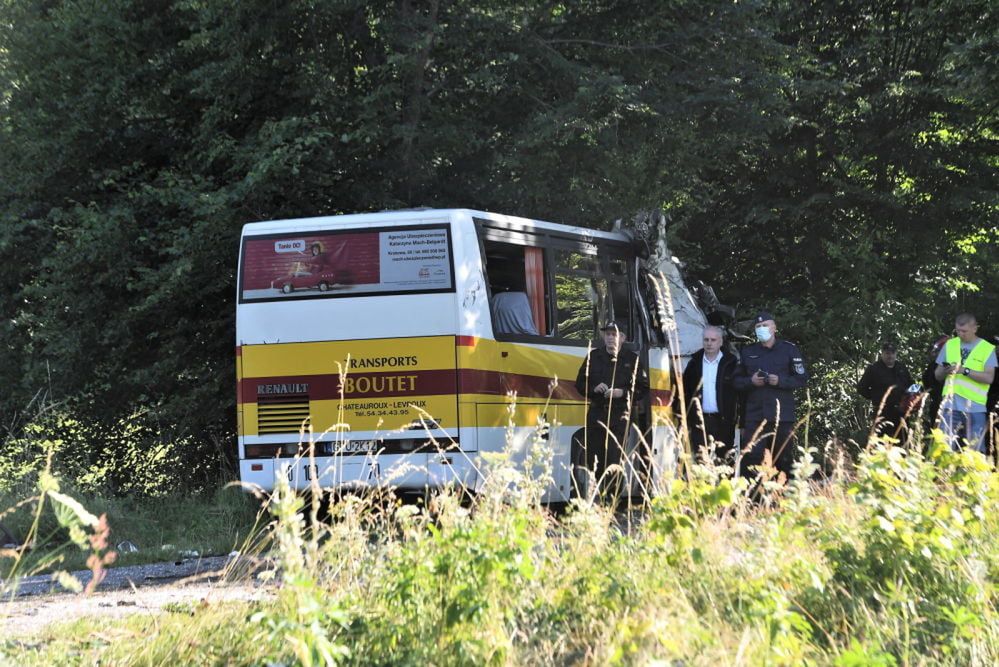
(966, 365)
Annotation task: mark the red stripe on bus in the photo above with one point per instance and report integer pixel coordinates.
(416, 383)
(465, 341)
(497, 383)
(661, 396)
(357, 385)
(239, 350)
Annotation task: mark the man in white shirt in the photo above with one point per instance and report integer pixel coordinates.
(710, 397)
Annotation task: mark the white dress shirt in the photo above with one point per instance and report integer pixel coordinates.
(709, 377)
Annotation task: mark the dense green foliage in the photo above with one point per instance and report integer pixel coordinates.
(835, 161)
(895, 566)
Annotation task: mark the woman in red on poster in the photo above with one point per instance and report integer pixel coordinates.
(317, 261)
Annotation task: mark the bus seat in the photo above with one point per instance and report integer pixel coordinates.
(512, 314)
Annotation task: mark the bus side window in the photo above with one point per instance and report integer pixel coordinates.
(516, 278)
(581, 295)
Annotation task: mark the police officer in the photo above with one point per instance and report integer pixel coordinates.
(613, 381)
(769, 371)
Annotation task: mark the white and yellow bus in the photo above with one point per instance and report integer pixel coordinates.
(409, 343)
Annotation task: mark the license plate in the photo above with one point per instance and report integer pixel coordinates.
(355, 446)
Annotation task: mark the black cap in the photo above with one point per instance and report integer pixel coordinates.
(620, 325)
(888, 346)
(762, 316)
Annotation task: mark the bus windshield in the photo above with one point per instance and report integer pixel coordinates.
(355, 262)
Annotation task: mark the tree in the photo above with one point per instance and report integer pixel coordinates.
(806, 152)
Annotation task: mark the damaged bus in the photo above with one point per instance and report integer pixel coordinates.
(401, 346)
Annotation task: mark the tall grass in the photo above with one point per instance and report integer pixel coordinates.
(896, 565)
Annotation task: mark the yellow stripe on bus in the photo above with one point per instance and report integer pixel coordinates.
(659, 379)
(427, 353)
(521, 359)
(321, 358)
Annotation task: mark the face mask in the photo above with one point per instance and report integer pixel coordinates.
(763, 334)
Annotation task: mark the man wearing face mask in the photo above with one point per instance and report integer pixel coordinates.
(769, 371)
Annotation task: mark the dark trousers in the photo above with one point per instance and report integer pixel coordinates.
(890, 420)
(714, 427)
(781, 446)
(606, 436)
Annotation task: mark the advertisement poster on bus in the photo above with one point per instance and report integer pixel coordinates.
(355, 263)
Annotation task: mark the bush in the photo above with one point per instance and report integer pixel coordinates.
(128, 458)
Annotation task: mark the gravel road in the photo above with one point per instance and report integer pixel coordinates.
(40, 600)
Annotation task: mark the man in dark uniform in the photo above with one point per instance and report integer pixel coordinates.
(612, 380)
(888, 376)
(769, 371)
